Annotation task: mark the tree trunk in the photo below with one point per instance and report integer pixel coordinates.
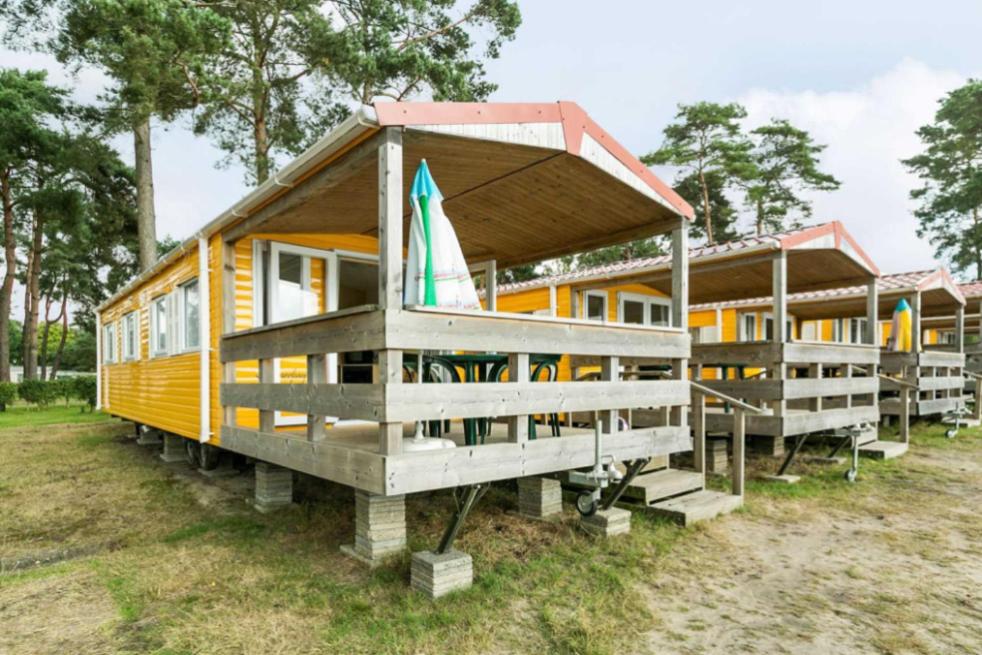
(56, 364)
(978, 246)
(260, 129)
(145, 214)
(32, 298)
(707, 216)
(43, 356)
(760, 217)
(7, 290)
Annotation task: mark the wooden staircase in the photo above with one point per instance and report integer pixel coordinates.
(681, 495)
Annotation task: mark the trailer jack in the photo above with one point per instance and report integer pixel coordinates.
(602, 475)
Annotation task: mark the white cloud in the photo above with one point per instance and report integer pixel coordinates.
(868, 131)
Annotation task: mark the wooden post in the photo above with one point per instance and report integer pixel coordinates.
(915, 321)
(267, 417)
(609, 372)
(680, 275)
(960, 330)
(872, 313)
(779, 288)
(518, 371)
(779, 282)
(316, 374)
(491, 285)
(815, 371)
(699, 433)
(574, 303)
(229, 413)
(977, 408)
(553, 303)
(739, 447)
(904, 417)
(228, 318)
(390, 279)
(848, 374)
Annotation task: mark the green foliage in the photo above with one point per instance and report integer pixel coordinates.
(292, 67)
(723, 215)
(706, 140)
(950, 168)
(37, 392)
(784, 163)
(84, 388)
(8, 393)
(638, 249)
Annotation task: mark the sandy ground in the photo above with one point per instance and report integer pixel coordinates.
(896, 573)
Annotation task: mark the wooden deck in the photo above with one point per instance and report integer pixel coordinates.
(806, 387)
(370, 456)
(938, 375)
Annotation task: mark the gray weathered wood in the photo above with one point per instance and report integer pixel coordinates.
(917, 335)
(960, 329)
(680, 276)
(739, 446)
(316, 374)
(267, 415)
(390, 373)
(518, 371)
(779, 291)
(609, 372)
(390, 218)
(699, 433)
(872, 313)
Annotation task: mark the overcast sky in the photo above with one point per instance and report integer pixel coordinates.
(860, 76)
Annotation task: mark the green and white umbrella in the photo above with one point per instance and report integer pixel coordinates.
(436, 272)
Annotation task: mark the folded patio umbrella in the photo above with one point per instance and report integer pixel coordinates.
(901, 331)
(436, 272)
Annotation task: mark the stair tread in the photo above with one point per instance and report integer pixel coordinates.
(698, 506)
(666, 483)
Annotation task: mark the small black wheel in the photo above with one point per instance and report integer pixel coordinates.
(850, 475)
(210, 456)
(192, 452)
(586, 505)
(950, 433)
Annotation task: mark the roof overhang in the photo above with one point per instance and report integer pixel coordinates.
(522, 182)
(940, 296)
(821, 257)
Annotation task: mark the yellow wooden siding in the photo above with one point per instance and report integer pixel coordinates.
(158, 391)
(164, 392)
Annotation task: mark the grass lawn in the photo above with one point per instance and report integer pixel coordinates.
(106, 549)
(54, 414)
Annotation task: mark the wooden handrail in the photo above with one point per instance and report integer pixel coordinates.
(898, 381)
(706, 391)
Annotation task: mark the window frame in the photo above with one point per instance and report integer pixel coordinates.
(586, 305)
(182, 308)
(742, 327)
(131, 324)
(109, 343)
(647, 301)
(155, 303)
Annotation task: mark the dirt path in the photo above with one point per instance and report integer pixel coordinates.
(897, 572)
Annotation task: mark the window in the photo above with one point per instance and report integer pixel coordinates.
(158, 326)
(644, 310)
(109, 343)
(809, 330)
(748, 327)
(838, 330)
(704, 334)
(595, 305)
(857, 330)
(769, 328)
(190, 307)
(131, 336)
(947, 338)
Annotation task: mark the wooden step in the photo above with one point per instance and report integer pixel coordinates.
(659, 485)
(883, 449)
(697, 506)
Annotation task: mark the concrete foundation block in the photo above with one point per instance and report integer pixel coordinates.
(540, 498)
(380, 528)
(274, 487)
(773, 446)
(608, 522)
(174, 449)
(435, 574)
(717, 458)
(783, 479)
(149, 437)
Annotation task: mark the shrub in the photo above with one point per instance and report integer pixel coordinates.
(8, 393)
(84, 388)
(36, 392)
(62, 388)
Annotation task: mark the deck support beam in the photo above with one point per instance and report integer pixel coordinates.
(916, 336)
(960, 330)
(872, 313)
(390, 276)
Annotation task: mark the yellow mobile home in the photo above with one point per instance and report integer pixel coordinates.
(279, 330)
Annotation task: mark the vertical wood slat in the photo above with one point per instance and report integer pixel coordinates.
(491, 285)
(699, 433)
(518, 371)
(904, 417)
(390, 372)
(229, 411)
(680, 275)
(609, 372)
(390, 219)
(316, 374)
(267, 417)
(815, 371)
(739, 450)
(228, 318)
(872, 313)
(916, 336)
(848, 374)
(960, 330)
(779, 283)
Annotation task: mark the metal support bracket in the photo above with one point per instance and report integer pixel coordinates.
(633, 469)
(471, 495)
